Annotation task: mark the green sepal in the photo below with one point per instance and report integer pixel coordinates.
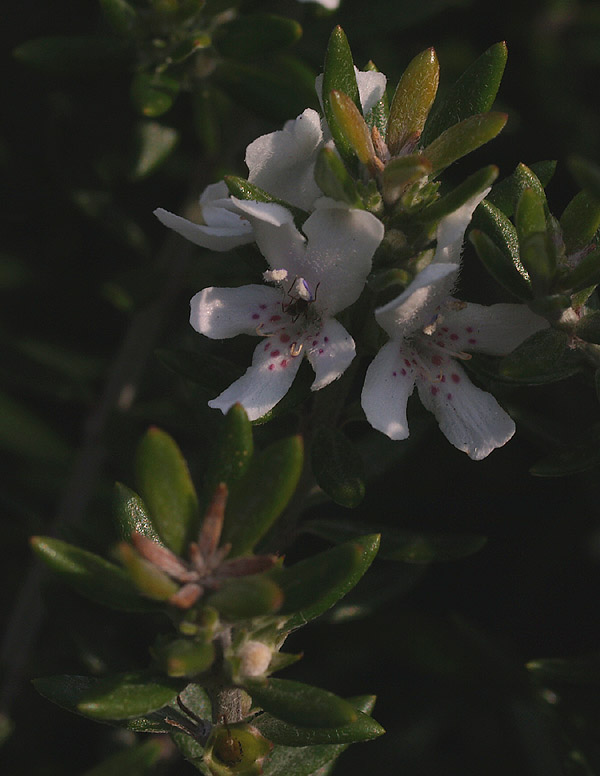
(135, 761)
(536, 251)
(587, 175)
(232, 452)
(247, 597)
(364, 728)
(585, 274)
(588, 327)
(378, 115)
(402, 172)
(252, 34)
(339, 75)
(334, 180)
(243, 189)
(126, 696)
(262, 494)
(338, 467)
(301, 704)
(474, 92)
(535, 359)
(185, 657)
(153, 93)
(499, 265)
(315, 584)
(506, 194)
(469, 188)
(167, 489)
(317, 760)
(352, 126)
(462, 138)
(580, 456)
(120, 14)
(412, 100)
(130, 514)
(74, 56)
(580, 221)
(90, 575)
(148, 578)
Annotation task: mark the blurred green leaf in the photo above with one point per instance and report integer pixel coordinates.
(301, 704)
(474, 92)
(135, 761)
(90, 575)
(241, 599)
(232, 452)
(580, 221)
(587, 175)
(166, 487)
(255, 34)
(364, 728)
(120, 14)
(153, 93)
(334, 180)
(313, 585)
(131, 514)
(460, 139)
(128, 695)
(585, 274)
(74, 56)
(571, 459)
(539, 359)
(258, 499)
(185, 657)
(155, 142)
(588, 327)
(412, 101)
(22, 433)
(338, 467)
(339, 76)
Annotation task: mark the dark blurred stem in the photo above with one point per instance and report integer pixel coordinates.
(119, 392)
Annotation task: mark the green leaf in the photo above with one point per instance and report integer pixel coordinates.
(313, 585)
(364, 728)
(135, 761)
(334, 180)
(580, 221)
(401, 172)
(120, 14)
(588, 327)
(353, 127)
(460, 139)
(166, 487)
(232, 453)
(185, 657)
(571, 459)
(247, 597)
(474, 92)
(255, 34)
(338, 467)
(587, 175)
(155, 142)
(148, 578)
(243, 189)
(153, 93)
(537, 359)
(74, 56)
(128, 695)
(536, 252)
(314, 760)
(339, 76)
(465, 191)
(506, 194)
(301, 704)
(585, 274)
(90, 575)
(412, 101)
(131, 514)
(499, 265)
(262, 494)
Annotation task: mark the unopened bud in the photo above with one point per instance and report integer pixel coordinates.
(255, 658)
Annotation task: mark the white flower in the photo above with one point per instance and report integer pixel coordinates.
(430, 333)
(224, 226)
(317, 276)
(254, 658)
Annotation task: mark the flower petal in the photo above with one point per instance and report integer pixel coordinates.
(389, 382)
(265, 382)
(283, 162)
(220, 313)
(471, 419)
(497, 329)
(451, 230)
(417, 304)
(330, 352)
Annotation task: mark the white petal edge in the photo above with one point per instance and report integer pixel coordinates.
(261, 387)
(451, 230)
(215, 238)
(386, 390)
(330, 353)
(220, 313)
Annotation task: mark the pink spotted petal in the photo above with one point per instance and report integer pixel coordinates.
(265, 382)
(471, 419)
(220, 313)
(330, 352)
(389, 381)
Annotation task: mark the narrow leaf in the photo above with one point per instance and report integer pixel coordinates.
(153, 93)
(136, 761)
(580, 221)
(585, 274)
(255, 34)
(155, 142)
(338, 467)
(353, 128)
(459, 140)
(401, 172)
(498, 265)
(247, 597)
(581, 456)
(364, 728)
(166, 487)
(232, 453)
(537, 357)
(131, 514)
(243, 189)
(339, 75)
(412, 101)
(126, 696)
(74, 56)
(473, 185)
(506, 194)
(587, 175)
(334, 180)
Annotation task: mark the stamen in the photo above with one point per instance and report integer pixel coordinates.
(296, 349)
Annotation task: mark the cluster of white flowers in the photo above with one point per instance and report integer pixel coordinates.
(319, 270)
